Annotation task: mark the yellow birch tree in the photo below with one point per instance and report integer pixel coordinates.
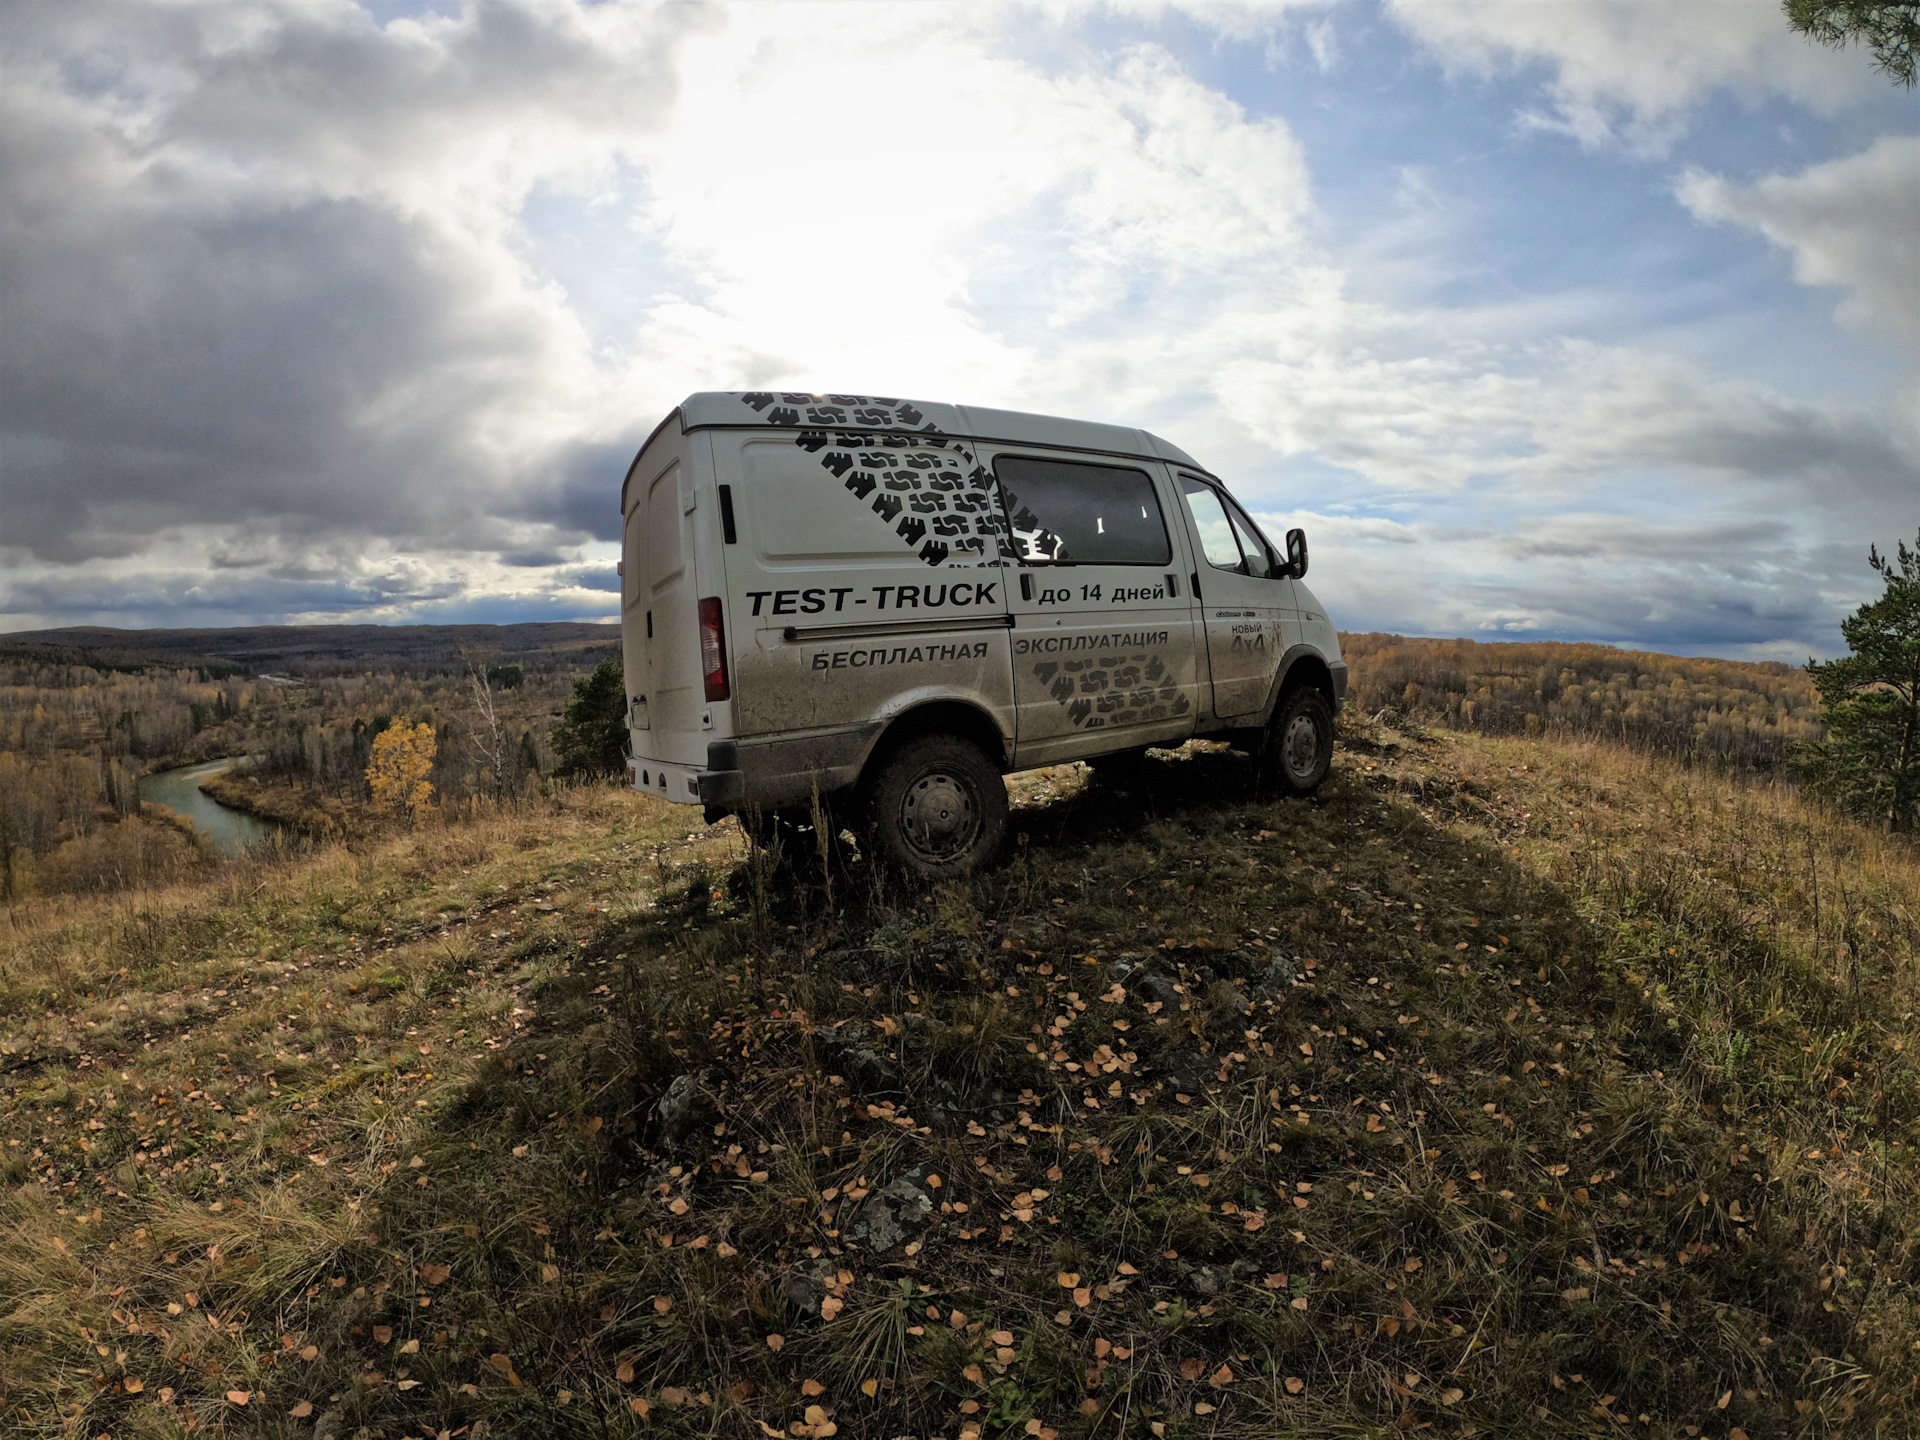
(397, 768)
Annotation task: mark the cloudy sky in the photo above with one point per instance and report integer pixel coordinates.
(1567, 319)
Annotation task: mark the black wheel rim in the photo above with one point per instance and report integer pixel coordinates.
(939, 819)
(1300, 747)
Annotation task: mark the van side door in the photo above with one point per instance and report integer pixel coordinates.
(1104, 649)
(1246, 604)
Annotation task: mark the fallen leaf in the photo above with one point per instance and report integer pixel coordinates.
(662, 1304)
(382, 1333)
(1067, 1279)
(412, 1347)
(302, 1410)
(310, 1352)
(672, 1395)
(831, 1306)
(1724, 1401)
(1452, 1396)
(639, 1406)
(435, 1274)
(549, 1273)
(1300, 1304)
(869, 1388)
(133, 1385)
(1222, 1376)
(1192, 1369)
(774, 1342)
(811, 1388)
(975, 1374)
(741, 1392)
(1295, 1384)
(623, 1372)
(239, 1397)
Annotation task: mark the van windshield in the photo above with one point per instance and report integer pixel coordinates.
(1070, 513)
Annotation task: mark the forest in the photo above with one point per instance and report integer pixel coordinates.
(1744, 715)
(84, 714)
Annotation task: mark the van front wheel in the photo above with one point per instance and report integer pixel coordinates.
(939, 808)
(1299, 749)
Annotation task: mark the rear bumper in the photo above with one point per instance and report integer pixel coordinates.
(775, 774)
(763, 774)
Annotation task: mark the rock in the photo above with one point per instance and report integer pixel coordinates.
(1239, 964)
(687, 1113)
(804, 1289)
(1158, 986)
(1188, 1072)
(864, 1068)
(1207, 1279)
(891, 1216)
(1280, 972)
(1226, 999)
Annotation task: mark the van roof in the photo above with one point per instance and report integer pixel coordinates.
(709, 409)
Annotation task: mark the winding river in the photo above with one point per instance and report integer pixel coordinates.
(231, 831)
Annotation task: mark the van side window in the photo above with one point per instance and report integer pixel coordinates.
(1217, 541)
(1261, 561)
(1065, 512)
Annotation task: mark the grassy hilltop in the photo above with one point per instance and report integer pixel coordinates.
(1510, 1087)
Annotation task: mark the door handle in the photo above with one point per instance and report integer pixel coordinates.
(1026, 586)
(1195, 577)
(1173, 586)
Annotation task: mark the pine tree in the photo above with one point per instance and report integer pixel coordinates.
(1870, 699)
(591, 738)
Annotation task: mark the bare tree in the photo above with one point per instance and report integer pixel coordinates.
(487, 738)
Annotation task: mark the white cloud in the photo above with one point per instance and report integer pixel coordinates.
(283, 342)
(1853, 222)
(1635, 67)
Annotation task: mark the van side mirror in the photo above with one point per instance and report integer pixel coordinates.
(1297, 554)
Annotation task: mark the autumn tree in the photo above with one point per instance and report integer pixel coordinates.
(1870, 699)
(1889, 28)
(397, 770)
(591, 738)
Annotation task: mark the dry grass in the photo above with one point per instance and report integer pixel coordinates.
(1509, 1087)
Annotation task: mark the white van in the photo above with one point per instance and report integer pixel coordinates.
(897, 603)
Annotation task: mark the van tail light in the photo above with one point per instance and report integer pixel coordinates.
(713, 648)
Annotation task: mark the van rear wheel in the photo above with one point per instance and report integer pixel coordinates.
(1299, 748)
(938, 808)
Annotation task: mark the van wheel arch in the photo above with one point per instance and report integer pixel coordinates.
(1304, 666)
(937, 717)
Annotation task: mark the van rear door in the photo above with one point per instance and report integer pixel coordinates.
(1104, 644)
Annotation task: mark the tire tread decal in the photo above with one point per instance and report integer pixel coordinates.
(928, 487)
(1113, 690)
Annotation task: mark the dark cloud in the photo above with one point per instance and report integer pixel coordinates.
(232, 295)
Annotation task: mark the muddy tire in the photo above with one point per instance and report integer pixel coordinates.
(1299, 745)
(937, 809)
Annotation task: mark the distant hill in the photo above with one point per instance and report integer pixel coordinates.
(312, 650)
(1747, 714)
